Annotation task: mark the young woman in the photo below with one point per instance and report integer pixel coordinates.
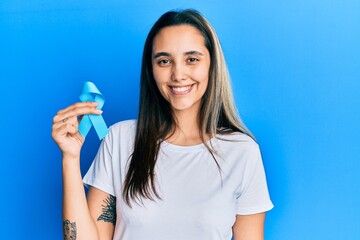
(186, 169)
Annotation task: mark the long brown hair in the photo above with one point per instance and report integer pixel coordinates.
(217, 115)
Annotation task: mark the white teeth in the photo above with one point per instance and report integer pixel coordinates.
(181, 89)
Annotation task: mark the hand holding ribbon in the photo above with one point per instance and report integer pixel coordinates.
(91, 119)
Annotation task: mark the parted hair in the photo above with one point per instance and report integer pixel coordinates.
(217, 115)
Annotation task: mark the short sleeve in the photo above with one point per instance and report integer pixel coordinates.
(100, 173)
(252, 194)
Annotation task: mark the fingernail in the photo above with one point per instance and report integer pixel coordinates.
(99, 111)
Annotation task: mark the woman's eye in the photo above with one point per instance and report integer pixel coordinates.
(163, 61)
(191, 60)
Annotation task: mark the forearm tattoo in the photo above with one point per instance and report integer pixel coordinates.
(69, 230)
(108, 213)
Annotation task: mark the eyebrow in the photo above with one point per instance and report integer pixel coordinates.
(166, 54)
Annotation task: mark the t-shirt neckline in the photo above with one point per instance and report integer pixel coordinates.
(200, 146)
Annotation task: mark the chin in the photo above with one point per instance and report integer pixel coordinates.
(185, 107)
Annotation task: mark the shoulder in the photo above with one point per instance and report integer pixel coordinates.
(126, 125)
(239, 154)
(123, 130)
(237, 140)
(237, 148)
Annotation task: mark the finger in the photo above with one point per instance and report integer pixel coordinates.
(78, 112)
(75, 112)
(63, 131)
(73, 106)
(72, 120)
(78, 104)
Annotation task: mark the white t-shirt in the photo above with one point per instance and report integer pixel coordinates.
(197, 201)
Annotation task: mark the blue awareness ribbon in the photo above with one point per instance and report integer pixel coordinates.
(90, 93)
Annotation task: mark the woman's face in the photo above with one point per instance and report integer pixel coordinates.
(181, 63)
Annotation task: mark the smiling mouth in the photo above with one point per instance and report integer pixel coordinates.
(181, 90)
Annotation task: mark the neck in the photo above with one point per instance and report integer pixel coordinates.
(187, 131)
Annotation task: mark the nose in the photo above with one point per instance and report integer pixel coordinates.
(178, 72)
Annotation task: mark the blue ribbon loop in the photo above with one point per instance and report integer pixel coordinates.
(89, 120)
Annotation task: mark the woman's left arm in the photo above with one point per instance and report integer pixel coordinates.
(249, 227)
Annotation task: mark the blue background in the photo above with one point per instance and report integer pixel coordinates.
(295, 67)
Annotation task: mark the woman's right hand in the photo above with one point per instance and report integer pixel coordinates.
(65, 130)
